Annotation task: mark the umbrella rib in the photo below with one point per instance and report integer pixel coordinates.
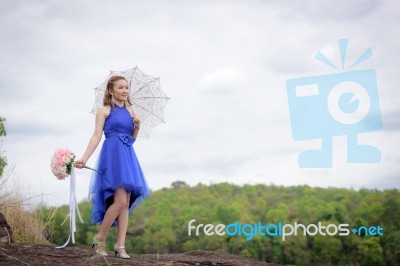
(149, 112)
(143, 85)
(152, 97)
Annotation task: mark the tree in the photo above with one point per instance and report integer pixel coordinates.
(3, 159)
(161, 224)
(179, 184)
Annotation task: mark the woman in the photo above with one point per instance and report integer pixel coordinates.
(119, 185)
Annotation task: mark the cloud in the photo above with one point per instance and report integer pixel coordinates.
(223, 80)
(391, 116)
(223, 64)
(325, 11)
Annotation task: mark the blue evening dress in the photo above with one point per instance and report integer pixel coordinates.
(118, 166)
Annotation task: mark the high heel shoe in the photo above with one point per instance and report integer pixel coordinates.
(96, 244)
(122, 255)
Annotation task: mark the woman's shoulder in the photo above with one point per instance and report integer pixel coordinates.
(104, 110)
(129, 107)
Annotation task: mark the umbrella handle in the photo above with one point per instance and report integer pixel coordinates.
(87, 167)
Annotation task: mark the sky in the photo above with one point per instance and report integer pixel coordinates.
(224, 64)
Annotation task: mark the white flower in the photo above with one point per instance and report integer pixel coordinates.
(66, 160)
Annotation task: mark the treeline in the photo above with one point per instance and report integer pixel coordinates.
(160, 224)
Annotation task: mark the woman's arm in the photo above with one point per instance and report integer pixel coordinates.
(136, 121)
(96, 137)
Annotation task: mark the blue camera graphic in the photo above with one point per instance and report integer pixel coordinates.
(344, 103)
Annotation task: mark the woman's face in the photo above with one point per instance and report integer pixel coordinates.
(120, 90)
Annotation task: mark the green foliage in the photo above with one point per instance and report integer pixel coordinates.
(3, 159)
(160, 224)
(3, 163)
(2, 126)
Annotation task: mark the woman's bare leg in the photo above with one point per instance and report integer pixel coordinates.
(120, 201)
(123, 222)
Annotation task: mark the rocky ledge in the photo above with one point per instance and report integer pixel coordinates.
(23, 254)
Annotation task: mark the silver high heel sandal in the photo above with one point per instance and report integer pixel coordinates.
(122, 255)
(97, 243)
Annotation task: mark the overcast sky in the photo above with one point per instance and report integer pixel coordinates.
(224, 64)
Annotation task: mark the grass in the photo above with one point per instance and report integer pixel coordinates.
(27, 226)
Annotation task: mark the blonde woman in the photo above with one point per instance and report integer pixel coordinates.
(119, 185)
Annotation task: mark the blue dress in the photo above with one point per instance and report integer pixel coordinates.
(118, 166)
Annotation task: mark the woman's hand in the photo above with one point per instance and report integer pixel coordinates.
(80, 163)
(136, 121)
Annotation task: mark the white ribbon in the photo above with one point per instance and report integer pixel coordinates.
(73, 207)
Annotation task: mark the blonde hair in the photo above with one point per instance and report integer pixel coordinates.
(107, 100)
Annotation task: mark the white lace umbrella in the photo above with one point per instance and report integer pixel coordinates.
(146, 96)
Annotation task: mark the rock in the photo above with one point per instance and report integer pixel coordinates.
(5, 231)
(25, 254)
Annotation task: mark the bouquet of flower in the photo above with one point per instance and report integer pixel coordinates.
(62, 163)
(62, 166)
